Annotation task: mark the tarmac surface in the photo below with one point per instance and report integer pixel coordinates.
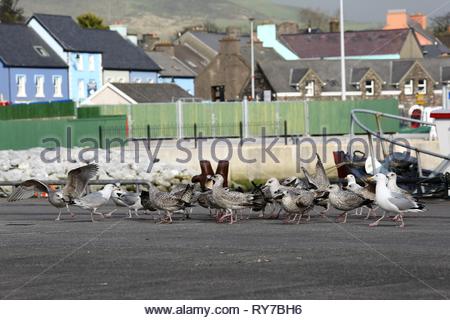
(120, 258)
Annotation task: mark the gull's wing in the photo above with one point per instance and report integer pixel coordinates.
(402, 202)
(321, 177)
(77, 180)
(129, 198)
(27, 189)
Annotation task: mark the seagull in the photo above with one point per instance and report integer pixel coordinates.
(319, 179)
(95, 200)
(186, 193)
(165, 201)
(297, 203)
(131, 200)
(392, 186)
(391, 201)
(230, 200)
(295, 182)
(75, 187)
(345, 200)
(367, 192)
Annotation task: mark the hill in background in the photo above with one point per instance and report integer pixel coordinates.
(166, 17)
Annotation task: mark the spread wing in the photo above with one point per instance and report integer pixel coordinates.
(27, 189)
(77, 180)
(321, 177)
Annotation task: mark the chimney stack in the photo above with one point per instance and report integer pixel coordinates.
(165, 46)
(149, 40)
(334, 25)
(288, 27)
(421, 19)
(396, 19)
(234, 32)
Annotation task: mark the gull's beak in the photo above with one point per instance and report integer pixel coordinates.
(371, 179)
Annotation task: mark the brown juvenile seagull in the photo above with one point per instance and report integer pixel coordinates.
(75, 187)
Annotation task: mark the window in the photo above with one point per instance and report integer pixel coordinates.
(121, 80)
(79, 59)
(81, 91)
(91, 63)
(422, 86)
(409, 84)
(109, 79)
(150, 80)
(309, 88)
(138, 80)
(57, 87)
(39, 82)
(21, 82)
(370, 84)
(41, 51)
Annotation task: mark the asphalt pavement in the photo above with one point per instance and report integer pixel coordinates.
(119, 258)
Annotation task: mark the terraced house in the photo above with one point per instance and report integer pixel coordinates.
(408, 81)
(93, 57)
(30, 70)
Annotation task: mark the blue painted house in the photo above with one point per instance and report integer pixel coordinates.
(94, 57)
(29, 69)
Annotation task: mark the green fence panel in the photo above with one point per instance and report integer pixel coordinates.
(264, 117)
(63, 109)
(25, 134)
(294, 115)
(159, 118)
(333, 117)
(200, 114)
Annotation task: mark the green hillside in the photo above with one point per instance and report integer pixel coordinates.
(167, 16)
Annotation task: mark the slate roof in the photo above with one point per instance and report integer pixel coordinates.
(446, 74)
(297, 74)
(280, 73)
(357, 43)
(170, 65)
(118, 53)
(17, 49)
(190, 58)
(212, 40)
(261, 53)
(152, 92)
(66, 32)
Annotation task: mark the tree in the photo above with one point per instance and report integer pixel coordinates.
(10, 12)
(91, 21)
(441, 24)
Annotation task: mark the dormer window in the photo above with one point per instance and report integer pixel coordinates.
(422, 86)
(369, 87)
(79, 60)
(41, 51)
(309, 88)
(409, 87)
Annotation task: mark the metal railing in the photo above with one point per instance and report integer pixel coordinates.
(136, 183)
(379, 134)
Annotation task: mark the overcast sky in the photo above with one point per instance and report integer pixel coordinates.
(374, 10)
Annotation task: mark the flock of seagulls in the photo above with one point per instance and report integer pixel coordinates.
(293, 198)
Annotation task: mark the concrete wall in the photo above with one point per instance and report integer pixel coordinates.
(289, 158)
(30, 75)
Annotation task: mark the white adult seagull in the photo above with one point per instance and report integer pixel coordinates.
(391, 201)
